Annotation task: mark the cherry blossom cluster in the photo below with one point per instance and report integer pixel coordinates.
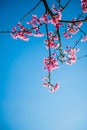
(84, 5)
(52, 88)
(52, 42)
(84, 38)
(70, 55)
(57, 17)
(20, 31)
(50, 63)
(72, 28)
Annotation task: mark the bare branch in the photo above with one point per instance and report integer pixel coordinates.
(66, 5)
(77, 42)
(47, 8)
(82, 57)
(30, 11)
(59, 3)
(76, 21)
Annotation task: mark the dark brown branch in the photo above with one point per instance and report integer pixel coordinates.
(30, 11)
(47, 8)
(66, 5)
(28, 30)
(62, 21)
(59, 3)
(77, 42)
(76, 21)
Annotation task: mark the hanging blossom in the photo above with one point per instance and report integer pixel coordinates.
(73, 28)
(52, 88)
(50, 63)
(50, 43)
(84, 38)
(84, 5)
(70, 55)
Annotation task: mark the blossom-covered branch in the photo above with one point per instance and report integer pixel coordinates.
(53, 22)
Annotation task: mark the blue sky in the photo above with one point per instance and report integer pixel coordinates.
(24, 103)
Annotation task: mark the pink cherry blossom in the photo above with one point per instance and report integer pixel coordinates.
(34, 20)
(54, 88)
(84, 6)
(38, 34)
(47, 85)
(55, 20)
(71, 55)
(84, 38)
(52, 44)
(67, 35)
(44, 18)
(20, 32)
(73, 28)
(54, 54)
(50, 63)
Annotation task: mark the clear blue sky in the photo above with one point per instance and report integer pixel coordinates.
(24, 103)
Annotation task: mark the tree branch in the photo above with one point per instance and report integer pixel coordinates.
(30, 11)
(47, 8)
(49, 76)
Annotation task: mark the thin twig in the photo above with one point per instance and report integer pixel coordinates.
(82, 57)
(28, 30)
(59, 3)
(76, 21)
(66, 5)
(30, 11)
(77, 42)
